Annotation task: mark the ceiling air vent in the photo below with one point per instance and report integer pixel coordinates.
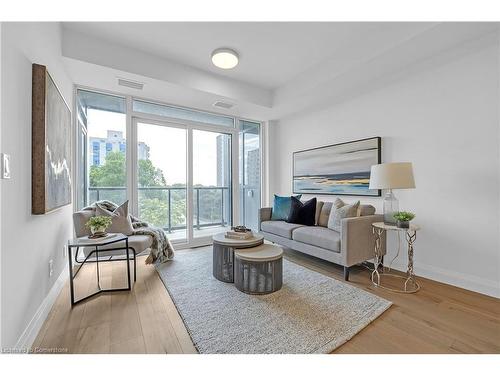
(131, 84)
(225, 105)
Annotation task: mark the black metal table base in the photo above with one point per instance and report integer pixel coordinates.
(88, 259)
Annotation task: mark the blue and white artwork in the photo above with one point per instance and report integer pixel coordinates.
(341, 169)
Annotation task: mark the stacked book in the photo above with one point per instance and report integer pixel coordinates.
(239, 235)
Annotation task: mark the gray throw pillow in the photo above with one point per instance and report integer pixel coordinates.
(120, 219)
(366, 210)
(340, 212)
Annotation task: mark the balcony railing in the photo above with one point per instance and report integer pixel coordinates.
(118, 194)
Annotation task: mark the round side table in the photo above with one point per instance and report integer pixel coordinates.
(259, 270)
(410, 283)
(223, 254)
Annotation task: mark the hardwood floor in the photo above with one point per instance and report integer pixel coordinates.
(438, 319)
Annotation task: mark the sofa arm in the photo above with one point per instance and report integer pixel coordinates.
(265, 214)
(357, 239)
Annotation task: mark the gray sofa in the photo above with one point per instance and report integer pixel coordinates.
(352, 245)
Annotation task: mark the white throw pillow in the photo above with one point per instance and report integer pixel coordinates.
(340, 211)
(120, 219)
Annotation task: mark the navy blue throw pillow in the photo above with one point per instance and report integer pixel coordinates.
(302, 213)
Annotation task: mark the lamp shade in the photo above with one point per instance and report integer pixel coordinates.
(392, 176)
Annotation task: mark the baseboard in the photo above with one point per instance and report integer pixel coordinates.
(29, 335)
(458, 279)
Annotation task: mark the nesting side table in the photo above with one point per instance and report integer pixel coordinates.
(410, 283)
(259, 270)
(223, 257)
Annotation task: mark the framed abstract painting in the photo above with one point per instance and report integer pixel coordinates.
(50, 144)
(339, 169)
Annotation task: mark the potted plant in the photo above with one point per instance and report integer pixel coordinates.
(403, 219)
(98, 224)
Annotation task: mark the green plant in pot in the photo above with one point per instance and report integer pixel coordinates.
(403, 218)
(98, 224)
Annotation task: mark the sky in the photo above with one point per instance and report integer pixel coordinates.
(167, 147)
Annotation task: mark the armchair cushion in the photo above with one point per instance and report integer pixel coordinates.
(138, 242)
(79, 220)
(121, 222)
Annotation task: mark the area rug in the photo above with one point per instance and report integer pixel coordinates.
(312, 313)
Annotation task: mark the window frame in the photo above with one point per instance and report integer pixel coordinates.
(131, 141)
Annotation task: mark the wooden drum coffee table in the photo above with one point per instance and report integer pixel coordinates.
(259, 270)
(223, 260)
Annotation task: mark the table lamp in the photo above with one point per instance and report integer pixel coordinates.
(390, 176)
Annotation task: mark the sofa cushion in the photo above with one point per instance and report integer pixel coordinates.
(324, 214)
(342, 212)
(318, 236)
(281, 207)
(366, 210)
(319, 207)
(326, 211)
(279, 228)
(302, 213)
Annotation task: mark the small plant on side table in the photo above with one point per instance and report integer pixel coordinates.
(98, 224)
(403, 218)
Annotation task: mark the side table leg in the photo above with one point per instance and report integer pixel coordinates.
(71, 290)
(128, 265)
(97, 266)
(378, 242)
(411, 236)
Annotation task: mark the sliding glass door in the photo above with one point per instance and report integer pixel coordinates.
(183, 179)
(162, 177)
(190, 172)
(250, 182)
(212, 194)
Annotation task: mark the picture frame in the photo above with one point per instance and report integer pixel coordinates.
(337, 169)
(51, 185)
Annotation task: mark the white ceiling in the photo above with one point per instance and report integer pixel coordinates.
(271, 54)
(285, 68)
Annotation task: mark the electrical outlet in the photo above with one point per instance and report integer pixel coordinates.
(51, 267)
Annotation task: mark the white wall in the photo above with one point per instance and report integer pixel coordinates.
(1, 26)
(27, 241)
(445, 120)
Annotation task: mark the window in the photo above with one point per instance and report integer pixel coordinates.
(212, 203)
(96, 153)
(165, 154)
(105, 126)
(162, 178)
(181, 113)
(249, 173)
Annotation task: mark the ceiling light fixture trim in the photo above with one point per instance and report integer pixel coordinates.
(225, 58)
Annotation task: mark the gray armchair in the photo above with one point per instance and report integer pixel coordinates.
(113, 252)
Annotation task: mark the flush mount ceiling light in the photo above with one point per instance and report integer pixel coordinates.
(224, 58)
